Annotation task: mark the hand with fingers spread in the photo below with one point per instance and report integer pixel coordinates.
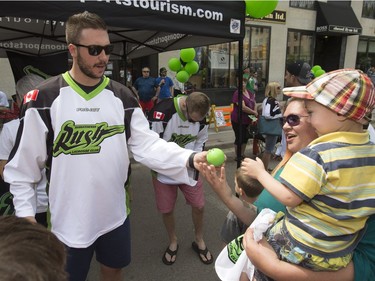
(216, 178)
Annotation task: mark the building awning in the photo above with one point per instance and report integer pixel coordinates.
(336, 19)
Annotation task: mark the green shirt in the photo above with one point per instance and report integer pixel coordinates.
(266, 200)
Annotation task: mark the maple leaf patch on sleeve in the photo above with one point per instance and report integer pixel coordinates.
(31, 95)
(159, 115)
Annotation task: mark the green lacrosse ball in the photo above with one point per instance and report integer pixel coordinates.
(215, 156)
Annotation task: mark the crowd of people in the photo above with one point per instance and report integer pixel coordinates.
(76, 131)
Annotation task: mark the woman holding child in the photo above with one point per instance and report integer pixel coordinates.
(299, 134)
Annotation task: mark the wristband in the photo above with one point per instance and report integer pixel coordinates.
(191, 160)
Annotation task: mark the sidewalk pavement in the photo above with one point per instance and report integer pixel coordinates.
(224, 138)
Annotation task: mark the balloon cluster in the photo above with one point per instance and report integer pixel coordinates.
(317, 70)
(260, 8)
(185, 66)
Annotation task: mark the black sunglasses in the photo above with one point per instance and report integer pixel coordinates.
(95, 50)
(291, 119)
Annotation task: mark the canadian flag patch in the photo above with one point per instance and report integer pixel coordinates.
(158, 115)
(32, 95)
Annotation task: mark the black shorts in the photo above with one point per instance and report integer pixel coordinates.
(111, 249)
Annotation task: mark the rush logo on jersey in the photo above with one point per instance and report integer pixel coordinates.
(32, 95)
(159, 115)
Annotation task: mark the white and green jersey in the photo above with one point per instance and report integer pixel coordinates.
(167, 119)
(83, 141)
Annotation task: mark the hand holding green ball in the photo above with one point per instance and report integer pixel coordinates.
(216, 157)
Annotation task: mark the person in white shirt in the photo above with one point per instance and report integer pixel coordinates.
(3, 100)
(8, 139)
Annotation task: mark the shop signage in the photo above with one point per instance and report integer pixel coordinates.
(276, 17)
(339, 29)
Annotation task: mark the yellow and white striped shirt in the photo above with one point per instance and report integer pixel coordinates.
(335, 176)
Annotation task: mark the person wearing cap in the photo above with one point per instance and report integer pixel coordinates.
(328, 194)
(7, 141)
(297, 73)
(164, 84)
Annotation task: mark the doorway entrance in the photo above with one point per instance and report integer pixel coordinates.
(327, 52)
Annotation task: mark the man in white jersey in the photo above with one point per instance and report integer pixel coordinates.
(81, 126)
(181, 120)
(8, 138)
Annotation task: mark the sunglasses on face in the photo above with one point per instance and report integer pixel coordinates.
(96, 50)
(292, 120)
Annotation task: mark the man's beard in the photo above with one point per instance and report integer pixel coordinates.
(85, 69)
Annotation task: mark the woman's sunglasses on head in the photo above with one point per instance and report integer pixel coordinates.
(95, 50)
(291, 119)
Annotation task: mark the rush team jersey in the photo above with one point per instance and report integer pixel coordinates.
(83, 141)
(167, 119)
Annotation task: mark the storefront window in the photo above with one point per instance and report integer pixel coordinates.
(365, 53)
(218, 64)
(303, 4)
(256, 53)
(368, 10)
(300, 46)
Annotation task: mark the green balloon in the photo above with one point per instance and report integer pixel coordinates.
(192, 67)
(315, 68)
(187, 55)
(174, 64)
(319, 72)
(182, 76)
(260, 8)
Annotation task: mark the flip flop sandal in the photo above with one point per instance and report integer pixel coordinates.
(201, 253)
(172, 254)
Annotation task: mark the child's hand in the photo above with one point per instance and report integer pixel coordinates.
(214, 176)
(252, 168)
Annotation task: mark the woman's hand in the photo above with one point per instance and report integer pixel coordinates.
(260, 253)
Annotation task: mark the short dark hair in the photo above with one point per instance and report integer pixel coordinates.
(250, 186)
(76, 23)
(30, 252)
(198, 102)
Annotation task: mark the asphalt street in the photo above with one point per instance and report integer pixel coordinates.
(149, 239)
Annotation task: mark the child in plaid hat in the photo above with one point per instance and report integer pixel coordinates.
(329, 186)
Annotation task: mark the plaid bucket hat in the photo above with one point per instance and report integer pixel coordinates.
(348, 92)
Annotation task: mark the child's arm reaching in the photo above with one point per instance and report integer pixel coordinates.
(283, 194)
(217, 180)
